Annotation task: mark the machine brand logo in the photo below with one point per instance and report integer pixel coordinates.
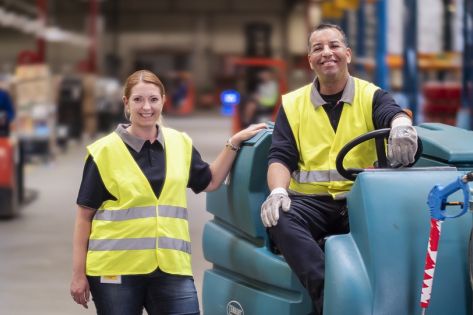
(234, 308)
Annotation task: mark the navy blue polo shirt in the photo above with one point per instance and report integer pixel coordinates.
(150, 158)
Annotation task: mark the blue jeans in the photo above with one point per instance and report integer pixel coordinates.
(158, 292)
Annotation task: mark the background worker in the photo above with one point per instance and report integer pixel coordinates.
(267, 94)
(131, 246)
(7, 112)
(313, 124)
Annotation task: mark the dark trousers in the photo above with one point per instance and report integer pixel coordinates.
(297, 236)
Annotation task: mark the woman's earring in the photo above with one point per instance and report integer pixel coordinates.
(127, 114)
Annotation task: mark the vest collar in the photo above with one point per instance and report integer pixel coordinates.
(134, 142)
(348, 95)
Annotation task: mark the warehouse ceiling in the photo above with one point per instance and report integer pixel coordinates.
(142, 15)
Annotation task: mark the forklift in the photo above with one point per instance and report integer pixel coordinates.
(253, 65)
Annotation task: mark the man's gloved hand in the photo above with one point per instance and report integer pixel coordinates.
(270, 208)
(402, 143)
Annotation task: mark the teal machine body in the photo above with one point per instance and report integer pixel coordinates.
(377, 268)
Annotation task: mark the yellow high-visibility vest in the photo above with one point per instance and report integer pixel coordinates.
(318, 144)
(138, 232)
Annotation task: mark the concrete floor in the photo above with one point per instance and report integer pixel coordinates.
(35, 247)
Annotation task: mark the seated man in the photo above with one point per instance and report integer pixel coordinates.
(313, 124)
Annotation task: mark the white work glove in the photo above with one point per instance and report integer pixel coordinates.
(402, 142)
(270, 208)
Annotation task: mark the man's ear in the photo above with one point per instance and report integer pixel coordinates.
(348, 55)
(310, 63)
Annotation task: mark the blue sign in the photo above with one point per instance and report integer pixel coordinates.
(229, 99)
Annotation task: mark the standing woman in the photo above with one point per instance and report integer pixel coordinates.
(131, 246)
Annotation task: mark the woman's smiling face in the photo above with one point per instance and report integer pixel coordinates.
(145, 104)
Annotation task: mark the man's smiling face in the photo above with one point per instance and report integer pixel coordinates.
(328, 55)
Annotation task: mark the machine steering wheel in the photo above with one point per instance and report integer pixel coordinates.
(379, 136)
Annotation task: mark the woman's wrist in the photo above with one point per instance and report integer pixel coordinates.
(232, 144)
(78, 274)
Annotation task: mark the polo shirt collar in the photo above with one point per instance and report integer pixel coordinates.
(348, 95)
(134, 142)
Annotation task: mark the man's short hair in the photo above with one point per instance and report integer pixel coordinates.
(323, 26)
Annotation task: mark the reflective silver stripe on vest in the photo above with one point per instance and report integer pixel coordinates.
(125, 214)
(339, 196)
(141, 212)
(139, 243)
(173, 212)
(317, 176)
(174, 243)
(123, 244)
